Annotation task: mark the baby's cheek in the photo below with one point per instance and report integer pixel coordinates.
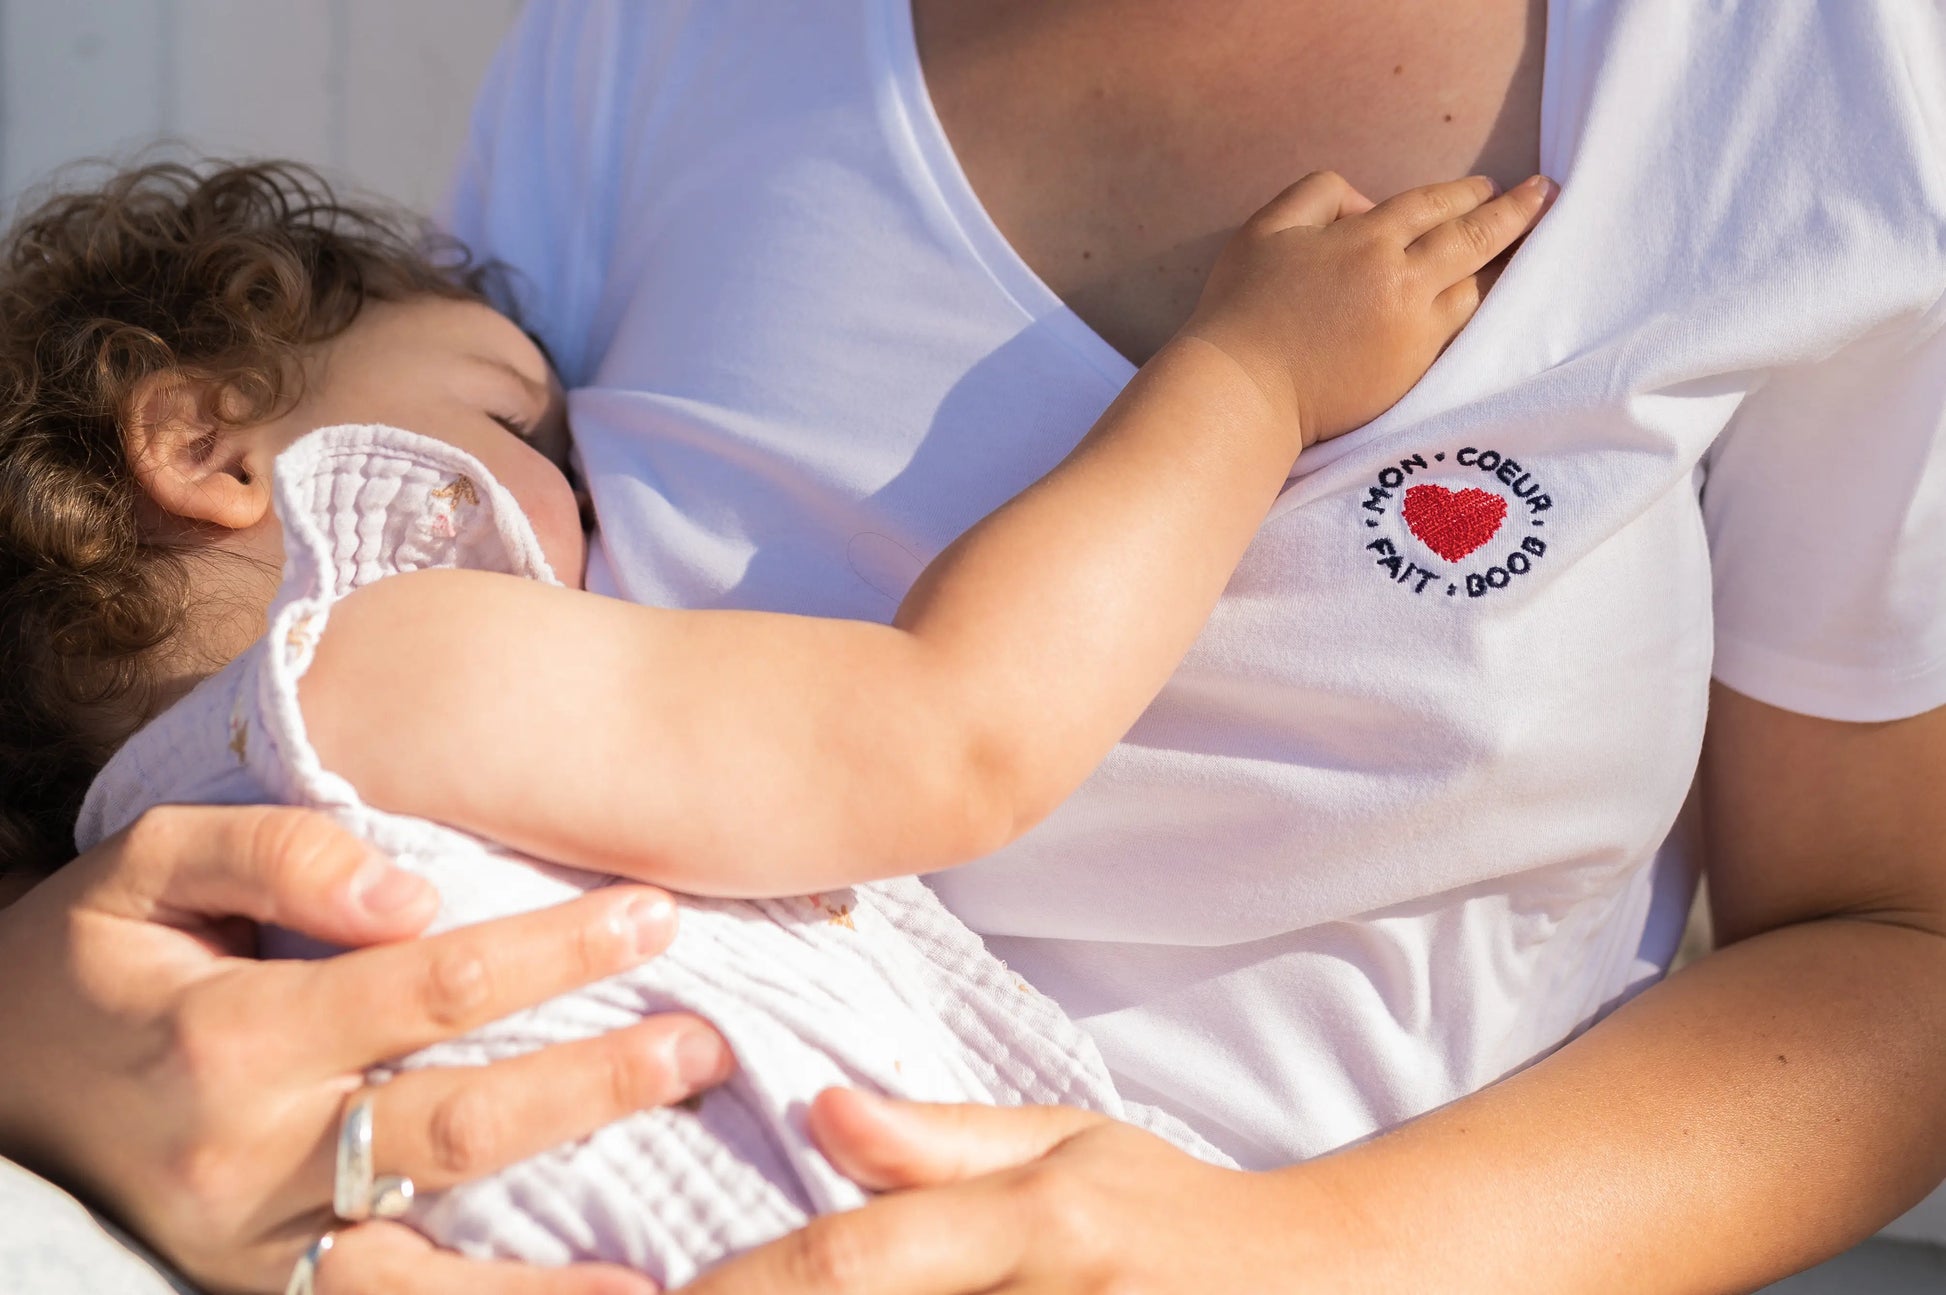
(569, 557)
(548, 500)
(558, 524)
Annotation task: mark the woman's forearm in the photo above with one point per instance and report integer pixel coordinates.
(1758, 1111)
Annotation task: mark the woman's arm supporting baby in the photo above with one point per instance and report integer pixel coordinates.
(749, 753)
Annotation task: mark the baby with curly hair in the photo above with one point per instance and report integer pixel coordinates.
(286, 515)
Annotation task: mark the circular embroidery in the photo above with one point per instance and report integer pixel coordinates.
(1473, 531)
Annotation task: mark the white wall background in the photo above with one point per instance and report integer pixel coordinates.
(374, 91)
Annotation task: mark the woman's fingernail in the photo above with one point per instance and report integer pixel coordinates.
(1542, 185)
(702, 1058)
(644, 921)
(383, 890)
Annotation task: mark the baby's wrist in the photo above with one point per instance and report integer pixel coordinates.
(1262, 378)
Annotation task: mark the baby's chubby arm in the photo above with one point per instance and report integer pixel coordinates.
(749, 753)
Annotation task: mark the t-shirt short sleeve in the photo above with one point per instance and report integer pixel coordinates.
(1825, 502)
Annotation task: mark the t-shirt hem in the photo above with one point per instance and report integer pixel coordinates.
(1853, 694)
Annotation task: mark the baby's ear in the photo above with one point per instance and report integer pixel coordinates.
(187, 459)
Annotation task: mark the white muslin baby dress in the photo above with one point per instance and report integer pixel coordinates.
(877, 986)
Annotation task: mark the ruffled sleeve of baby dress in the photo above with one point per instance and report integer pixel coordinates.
(357, 503)
(360, 503)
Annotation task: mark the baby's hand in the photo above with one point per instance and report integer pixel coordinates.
(1335, 307)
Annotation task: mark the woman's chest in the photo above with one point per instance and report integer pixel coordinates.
(1472, 640)
(1116, 144)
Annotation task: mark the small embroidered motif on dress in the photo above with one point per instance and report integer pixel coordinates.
(447, 501)
(834, 913)
(458, 491)
(298, 637)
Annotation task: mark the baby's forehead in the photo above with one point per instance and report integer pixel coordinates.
(430, 329)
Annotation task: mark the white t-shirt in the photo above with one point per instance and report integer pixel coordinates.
(1390, 833)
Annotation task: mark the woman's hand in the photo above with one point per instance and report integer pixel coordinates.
(151, 1062)
(1031, 1199)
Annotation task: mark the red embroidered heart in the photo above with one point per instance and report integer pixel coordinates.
(1453, 523)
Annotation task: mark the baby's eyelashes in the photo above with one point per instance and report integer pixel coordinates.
(515, 425)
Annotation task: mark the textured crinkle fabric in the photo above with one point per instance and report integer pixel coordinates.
(877, 986)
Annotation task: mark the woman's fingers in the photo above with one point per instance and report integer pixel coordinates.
(1318, 199)
(943, 1241)
(387, 1259)
(270, 864)
(1460, 246)
(357, 1009)
(446, 1125)
(887, 1145)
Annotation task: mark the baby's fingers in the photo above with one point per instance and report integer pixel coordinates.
(1457, 304)
(1406, 216)
(1318, 199)
(1458, 248)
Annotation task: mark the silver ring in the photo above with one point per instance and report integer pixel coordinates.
(357, 1193)
(304, 1277)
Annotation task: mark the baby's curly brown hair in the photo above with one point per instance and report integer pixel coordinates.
(223, 274)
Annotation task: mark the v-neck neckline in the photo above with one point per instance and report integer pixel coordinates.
(950, 186)
(948, 180)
